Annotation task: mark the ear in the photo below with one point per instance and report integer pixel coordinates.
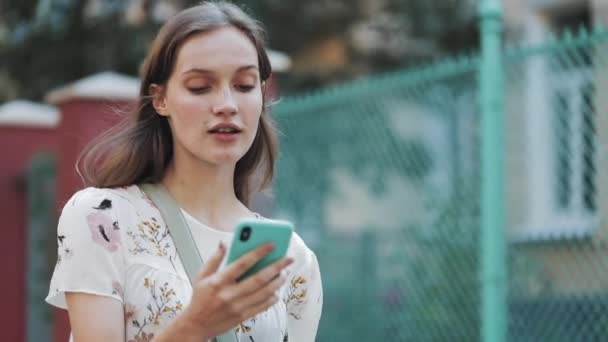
(158, 99)
(265, 92)
(264, 83)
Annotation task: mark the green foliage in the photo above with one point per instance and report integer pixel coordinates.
(50, 46)
(294, 24)
(44, 43)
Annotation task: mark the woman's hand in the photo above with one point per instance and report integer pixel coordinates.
(219, 302)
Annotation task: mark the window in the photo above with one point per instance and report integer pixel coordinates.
(562, 125)
(574, 142)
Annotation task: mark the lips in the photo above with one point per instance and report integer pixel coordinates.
(225, 132)
(225, 128)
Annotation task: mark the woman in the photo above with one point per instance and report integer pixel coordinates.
(201, 131)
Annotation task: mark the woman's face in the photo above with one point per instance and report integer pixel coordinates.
(213, 98)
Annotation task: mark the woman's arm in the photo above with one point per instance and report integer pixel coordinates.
(95, 318)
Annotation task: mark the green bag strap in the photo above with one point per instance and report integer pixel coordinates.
(182, 238)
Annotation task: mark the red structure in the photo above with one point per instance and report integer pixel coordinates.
(26, 128)
(83, 110)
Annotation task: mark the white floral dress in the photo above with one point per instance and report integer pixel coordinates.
(114, 243)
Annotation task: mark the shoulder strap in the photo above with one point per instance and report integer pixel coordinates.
(182, 237)
(178, 228)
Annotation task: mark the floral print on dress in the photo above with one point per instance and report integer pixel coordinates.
(130, 312)
(164, 306)
(296, 296)
(64, 252)
(153, 239)
(104, 231)
(242, 327)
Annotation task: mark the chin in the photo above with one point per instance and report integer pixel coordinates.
(226, 159)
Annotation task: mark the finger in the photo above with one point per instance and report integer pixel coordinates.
(214, 263)
(236, 304)
(263, 277)
(269, 290)
(242, 264)
(260, 307)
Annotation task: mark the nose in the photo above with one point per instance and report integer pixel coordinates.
(226, 105)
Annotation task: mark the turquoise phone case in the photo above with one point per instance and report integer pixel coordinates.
(261, 231)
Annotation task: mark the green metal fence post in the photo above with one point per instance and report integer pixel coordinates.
(493, 263)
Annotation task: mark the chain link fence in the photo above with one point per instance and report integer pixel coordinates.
(382, 178)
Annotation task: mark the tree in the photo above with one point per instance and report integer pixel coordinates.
(377, 35)
(47, 43)
(50, 43)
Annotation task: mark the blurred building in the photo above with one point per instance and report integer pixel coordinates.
(556, 190)
(556, 138)
(41, 145)
(535, 177)
(532, 20)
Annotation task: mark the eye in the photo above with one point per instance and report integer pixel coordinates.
(199, 90)
(245, 87)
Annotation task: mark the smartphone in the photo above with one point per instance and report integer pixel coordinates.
(251, 233)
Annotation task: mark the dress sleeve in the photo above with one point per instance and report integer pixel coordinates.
(89, 248)
(304, 296)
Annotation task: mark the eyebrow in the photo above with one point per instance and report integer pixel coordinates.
(205, 71)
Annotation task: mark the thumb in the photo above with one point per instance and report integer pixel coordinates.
(212, 265)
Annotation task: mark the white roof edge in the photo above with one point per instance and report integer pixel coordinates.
(104, 85)
(29, 114)
(557, 231)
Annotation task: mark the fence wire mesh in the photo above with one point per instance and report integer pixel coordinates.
(382, 178)
(557, 200)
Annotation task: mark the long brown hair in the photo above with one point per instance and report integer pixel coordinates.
(140, 149)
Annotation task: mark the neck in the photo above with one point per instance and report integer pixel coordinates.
(206, 192)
